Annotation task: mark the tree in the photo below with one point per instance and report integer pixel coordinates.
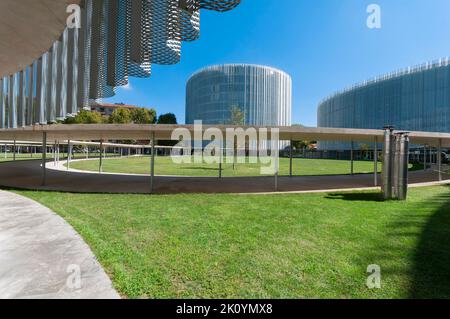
(237, 116)
(301, 145)
(86, 117)
(120, 116)
(364, 150)
(143, 116)
(238, 119)
(168, 118)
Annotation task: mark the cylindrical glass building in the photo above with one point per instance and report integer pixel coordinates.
(415, 99)
(264, 95)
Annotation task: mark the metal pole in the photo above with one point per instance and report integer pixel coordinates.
(14, 151)
(375, 163)
(352, 171)
(387, 162)
(54, 154)
(439, 159)
(277, 164)
(69, 154)
(424, 157)
(152, 164)
(402, 192)
(100, 166)
(397, 167)
(220, 159)
(44, 158)
(290, 159)
(6, 151)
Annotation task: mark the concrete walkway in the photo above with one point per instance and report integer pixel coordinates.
(28, 175)
(41, 255)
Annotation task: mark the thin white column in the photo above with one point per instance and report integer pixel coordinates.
(44, 158)
(290, 159)
(352, 168)
(424, 157)
(54, 154)
(277, 164)
(57, 152)
(439, 159)
(220, 159)
(100, 166)
(69, 154)
(152, 164)
(375, 163)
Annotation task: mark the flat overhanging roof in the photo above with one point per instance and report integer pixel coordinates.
(164, 132)
(28, 29)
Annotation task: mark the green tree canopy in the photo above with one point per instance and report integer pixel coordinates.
(120, 116)
(168, 118)
(237, 116)
(85, 117)
(143, 116)
(301, 144)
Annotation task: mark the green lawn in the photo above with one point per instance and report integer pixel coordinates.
(165, 166)
(280, 246)
(20, 157)
(9, 157)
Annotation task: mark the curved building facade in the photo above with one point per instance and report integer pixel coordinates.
(264, 94)
(415, 99)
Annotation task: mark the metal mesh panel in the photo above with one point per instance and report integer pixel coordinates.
(22, 102)
(117, 39)
(2, 104)
(219, 5)
(30, 96)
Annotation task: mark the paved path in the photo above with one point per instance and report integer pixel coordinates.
(28, 175)
(40, 255)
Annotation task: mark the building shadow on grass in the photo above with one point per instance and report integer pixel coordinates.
(431, 272)
(420, 234)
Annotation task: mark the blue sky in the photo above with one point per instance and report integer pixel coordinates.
(324, 45)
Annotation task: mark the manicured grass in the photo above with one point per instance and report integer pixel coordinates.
(280, 246)
(19, 157)
(23, 156)
(165, 166)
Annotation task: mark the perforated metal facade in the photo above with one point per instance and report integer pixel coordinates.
(117, 39)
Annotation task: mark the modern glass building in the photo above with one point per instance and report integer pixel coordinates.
(264, 94)
(415, 99)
